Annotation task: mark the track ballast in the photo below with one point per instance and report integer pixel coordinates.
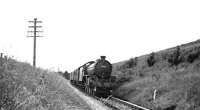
(117, 104)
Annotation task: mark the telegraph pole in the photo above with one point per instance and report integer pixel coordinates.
(35, 31)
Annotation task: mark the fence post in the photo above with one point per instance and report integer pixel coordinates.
(154, 94)
(5, 62)
(1, 59)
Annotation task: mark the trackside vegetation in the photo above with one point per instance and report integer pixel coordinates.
(172, 75)
(24, 88)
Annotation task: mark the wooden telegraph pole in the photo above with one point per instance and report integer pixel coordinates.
(34, 31)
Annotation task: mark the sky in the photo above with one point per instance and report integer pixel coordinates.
(78, 31)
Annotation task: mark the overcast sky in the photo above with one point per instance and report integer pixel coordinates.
(77, 31)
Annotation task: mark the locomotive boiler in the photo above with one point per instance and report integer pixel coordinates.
(94, 77)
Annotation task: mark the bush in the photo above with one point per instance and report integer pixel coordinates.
(175, 58)
(129, 64)
(194, 55)
(151, 59)
(132, 62)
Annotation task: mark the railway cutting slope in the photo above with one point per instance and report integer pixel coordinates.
(23, 87)
(163, 80)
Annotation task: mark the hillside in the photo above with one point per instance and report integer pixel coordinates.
(174, 73)
(24, 88)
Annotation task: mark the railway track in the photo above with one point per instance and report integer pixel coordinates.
(115, 103)
(105, 102)
(118, 104)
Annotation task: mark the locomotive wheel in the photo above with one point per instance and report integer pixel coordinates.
(86, 89)
(89, 91)
(95, 89)
(92, 92)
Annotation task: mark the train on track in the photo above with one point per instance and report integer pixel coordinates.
(94, 77)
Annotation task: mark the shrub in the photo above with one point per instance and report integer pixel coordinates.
(132, 62)
(175, 58)
(194, 55)
(151, 59)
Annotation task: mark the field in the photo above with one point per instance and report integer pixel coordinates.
(24, 88)
(164, 80)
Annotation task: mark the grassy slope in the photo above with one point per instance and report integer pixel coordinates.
(176, 85)
(25, 88)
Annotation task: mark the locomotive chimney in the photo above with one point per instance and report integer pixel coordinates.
(103, 57)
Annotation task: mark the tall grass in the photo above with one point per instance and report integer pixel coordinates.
(175, 76)
(23, 87)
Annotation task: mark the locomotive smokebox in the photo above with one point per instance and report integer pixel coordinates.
(103, 57)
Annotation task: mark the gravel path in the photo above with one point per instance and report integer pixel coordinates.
(95, 105)
(70, 98)
(62, 97)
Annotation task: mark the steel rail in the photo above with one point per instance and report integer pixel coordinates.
(130, 104)
(106, 103)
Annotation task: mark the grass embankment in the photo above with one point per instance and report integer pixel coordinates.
(24, 88)
(174, 73)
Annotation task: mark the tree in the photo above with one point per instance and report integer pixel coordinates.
(151, 59)
(175, 57)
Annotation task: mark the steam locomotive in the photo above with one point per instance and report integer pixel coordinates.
(94, 77)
